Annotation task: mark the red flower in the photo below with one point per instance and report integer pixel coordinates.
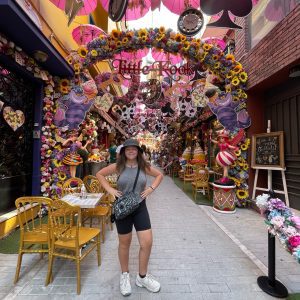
(294, 241)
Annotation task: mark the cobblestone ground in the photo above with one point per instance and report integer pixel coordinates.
(197, 254)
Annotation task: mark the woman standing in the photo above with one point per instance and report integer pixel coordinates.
(130, 159)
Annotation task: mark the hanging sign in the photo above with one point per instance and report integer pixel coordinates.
(129, 68)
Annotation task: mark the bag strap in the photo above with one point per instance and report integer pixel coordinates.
(136, 178)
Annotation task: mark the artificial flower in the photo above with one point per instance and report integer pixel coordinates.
(115, 34)
(64, 83)
(186, 46)
(217, 65)
(296, 221)
(237, 68)
(244, 146)
(230, 57)
(228, 89)
(215, 57)
(242, 194)
(229, 75)
(243, 77)
(294, 241)
(245, 166)
(144, 39)
(62, 176)
(277, 221)
(178, 37)
(82, 51)
(70, 60)
(162, 29)
(235, 81)
(125, 40)
(64, 90)
(94, 53)
(119, 44)
(207, 47)
(237, 152)
(160, 37)
(142, 33)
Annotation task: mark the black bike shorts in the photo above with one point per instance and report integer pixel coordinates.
(139, 218)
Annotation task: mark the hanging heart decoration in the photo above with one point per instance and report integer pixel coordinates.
(15, 119)
(105, 102)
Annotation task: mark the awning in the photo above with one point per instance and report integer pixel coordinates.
(111, 121)
(20, 28)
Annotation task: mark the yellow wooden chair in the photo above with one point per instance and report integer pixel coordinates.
(92, 184)
(68, 237)
(201, 182)
(32, 229)
(188, 174)
(71, 186)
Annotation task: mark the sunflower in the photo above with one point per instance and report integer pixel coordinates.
(142, 33)
(245, 96)
(233, 164)
(119, 44)
(76, 66)
(115, 34)
(237, 68)
(242, 194)
(217, 65)
(125, 40)
(70, 60)
(186, 46)
(230, 57)
(228, 89)
(248, 141)
(246, 166)
(57, 163)
(162, 29)
(243, 77)
(244, 147)
(229, 75)
(64, 90)
(207, 47)
(237, 152)
(101, 36)
(62, 176)
(64, 83)
(144, 39)
(77, 72)
(235, 81)
(235, 98)
(82, 51)
(160, 37)
(94, 53)
(178, 37)
(59, 184)
(198, 41)
(215, 57)
(183, 38)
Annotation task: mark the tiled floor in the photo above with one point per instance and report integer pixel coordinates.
(192, 257)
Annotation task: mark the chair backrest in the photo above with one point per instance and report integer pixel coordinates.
(71, 186)
(188, 170)
(64, 221)
(30, 211)
(92, 184)
(202, 175)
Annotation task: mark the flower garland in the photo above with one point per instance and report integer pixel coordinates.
(281, 222)
(197, 51)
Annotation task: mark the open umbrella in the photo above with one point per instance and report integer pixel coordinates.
(88, 6)
(163, 56)
(134, 55)
(85, 33)
(216, 42)
(178, 6)
(136, 9)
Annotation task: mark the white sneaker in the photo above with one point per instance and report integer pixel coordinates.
(125, 286)
(149, 282)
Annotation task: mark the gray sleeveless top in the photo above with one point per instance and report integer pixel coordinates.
(126, 181)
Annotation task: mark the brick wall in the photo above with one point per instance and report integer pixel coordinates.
(278, 49)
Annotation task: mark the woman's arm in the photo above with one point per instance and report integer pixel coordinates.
(158, 178)
(111, 169)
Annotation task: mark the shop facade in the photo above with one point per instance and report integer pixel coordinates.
(269, 49)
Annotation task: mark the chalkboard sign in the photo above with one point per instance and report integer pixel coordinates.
(267, 151)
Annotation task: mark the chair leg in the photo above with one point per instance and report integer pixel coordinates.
(50, 265)
(18, 266)
(98, 250)
(91, 222)
(78, 273)
(42, 253)
(103, 228)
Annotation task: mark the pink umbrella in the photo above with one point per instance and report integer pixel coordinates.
(85, 33)
(178, 6)
(134, 55)
(89, 6)
(215, 41)
(163, 56)
(136, 9)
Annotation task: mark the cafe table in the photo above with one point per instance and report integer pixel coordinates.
(90, 201)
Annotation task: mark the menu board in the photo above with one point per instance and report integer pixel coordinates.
(267, 151)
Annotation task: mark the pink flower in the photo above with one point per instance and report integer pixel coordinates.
(294, 241)
(277, 221)
(296, 221)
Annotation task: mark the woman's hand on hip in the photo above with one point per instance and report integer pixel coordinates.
(115, 192)
(146, 192)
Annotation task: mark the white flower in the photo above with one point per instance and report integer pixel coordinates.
(262, 200)
(277, 221)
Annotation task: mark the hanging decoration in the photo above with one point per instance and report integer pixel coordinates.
(15, 119)
(236, 7)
